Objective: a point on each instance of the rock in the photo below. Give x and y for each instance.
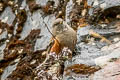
(109, 72)
(113, 54)
(7, 16)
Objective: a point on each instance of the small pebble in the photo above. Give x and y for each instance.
(116, 39)
(84, 12)
(103, 5)
(20, 51)
(17, 60)
(93, 44)
(9, 35)
(95, 3)
(78, 1)
(0, 30)
(7, 40)
(11, 3)
(117, 44)
(1, 6)
(33, 62)
(13, 51)
(4, 20)
(118, 16)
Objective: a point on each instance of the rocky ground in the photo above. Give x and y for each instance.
(25, 33)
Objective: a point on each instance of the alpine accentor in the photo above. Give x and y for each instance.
(64, 35)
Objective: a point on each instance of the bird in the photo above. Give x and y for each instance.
(63, 36)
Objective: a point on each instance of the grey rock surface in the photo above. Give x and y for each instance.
(86, 53)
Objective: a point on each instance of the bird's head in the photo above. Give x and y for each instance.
(58, 26)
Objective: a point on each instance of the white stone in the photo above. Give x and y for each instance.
(20, 51)
(1, 6)
(84, 11)
(95, 3)
(17, 60)
(33, 62)
(93, 44)
(10, 2)
(103, 25)
(78, 1)
(9, 35)
(116, 39)
(4, 20)
(1, 56)
(13, 51)
(103, 5)
(117, 44)
(0, 30)
(7, 40)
